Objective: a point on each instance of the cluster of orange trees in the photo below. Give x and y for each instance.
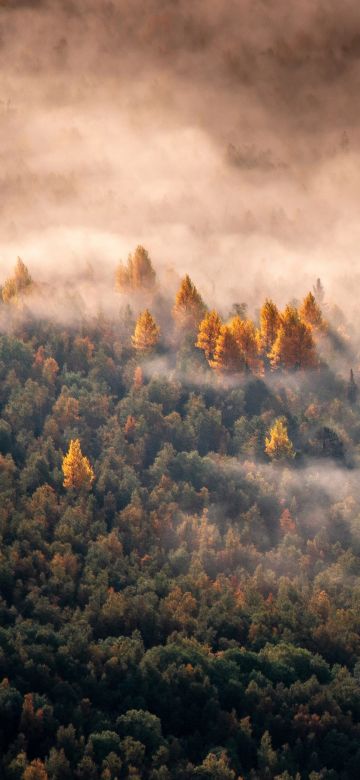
(283, 339)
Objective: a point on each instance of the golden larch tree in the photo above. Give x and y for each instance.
(19, 283)
(311, 313)
(269, 325)
(208, 334)
(146, 333)
(138, 274)
(189, 308)
(246, 337)
(277, 444)
(294, 346)
(77, 471)
(227, 356)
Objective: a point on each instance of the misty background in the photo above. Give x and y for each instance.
(223, 136)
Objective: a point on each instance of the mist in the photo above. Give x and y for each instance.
(223, 138)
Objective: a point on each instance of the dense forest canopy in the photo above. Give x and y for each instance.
(180, 536)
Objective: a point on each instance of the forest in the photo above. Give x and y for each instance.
(180, 535)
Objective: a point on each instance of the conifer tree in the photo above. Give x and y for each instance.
(227, 356)
(278, 445)
(294, 346)
(139, 273)
(189, 308)
(208, 334)
(20, 282)
(310, 312)
(269, 325)
(246, 337)
(76, 468)
(352, 389)
(146, 333)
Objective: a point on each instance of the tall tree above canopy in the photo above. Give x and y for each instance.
(294, 346)
(146, 334)
(138, 274)
(189, 308)
(20, 282)
(269, 325)
(76, 468)
(208, 334)
(311, 313)
(278, 445)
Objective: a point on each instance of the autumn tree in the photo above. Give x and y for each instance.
(278, 445)
(294, 346)
(269, 325)
(246, 337)
(17, 284)
(77, 471)
(189, 307)
(138, 274)
(227, 356)
(208, 334)
(35, 771)
(311, 313)
(146, 333)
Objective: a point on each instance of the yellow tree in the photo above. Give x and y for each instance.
(278, 445)
(269, 325)
(138, 274)
(146, 333)
(77, 471)
(246, 337)
(311, 313)
(208, 334)
(189, 307)
(294, 346)
(35, 771)
(227, 356)
(20, 282)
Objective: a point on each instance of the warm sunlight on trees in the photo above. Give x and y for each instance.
(269, 325)
(278, 445)
(227, 357)
(147, 332)
(209, 331)
(311, 313)
(294, 346)
(246, 337)
(20, 282)
(189, 307)
(77, 471)
(138, 274)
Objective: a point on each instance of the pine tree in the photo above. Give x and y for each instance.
(189, 308)
(246, 337)
(146, 333)
(269, 325)
(208, 334)
(310, 312)
(77, 471)
(139, 273)
(352, 389)
(278, 445)
(294, 346)
(227, 356)
(319, 291)
(17, 284)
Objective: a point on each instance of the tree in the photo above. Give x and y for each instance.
(319, 291)
(35, 771)
(246, 337)
(269, 325)
(352, 389)
(189, 307)
(138, 274)
(20, 282)
(278, 445)
(227, 356)
(77, 471)
(310, 312)
(294, 346)
(146, 333)
(208, 334)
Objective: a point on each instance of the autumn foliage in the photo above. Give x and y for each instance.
(147, 332)
(78, 474)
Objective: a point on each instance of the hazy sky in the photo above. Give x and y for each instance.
(224, 136)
